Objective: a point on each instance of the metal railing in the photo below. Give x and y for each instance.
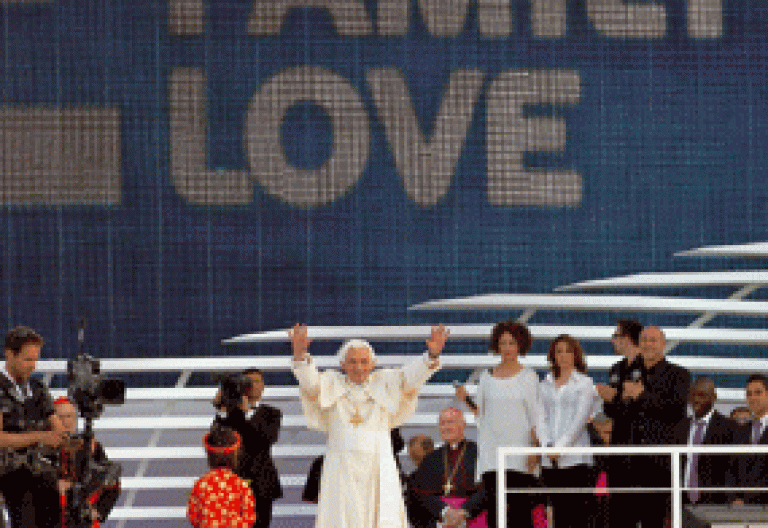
(287, 448)
(674, 451)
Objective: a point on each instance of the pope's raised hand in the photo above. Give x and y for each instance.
(437, 338)
(299, 341)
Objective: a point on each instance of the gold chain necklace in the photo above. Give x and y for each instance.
(448, 486)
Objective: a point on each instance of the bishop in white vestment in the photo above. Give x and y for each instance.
(360, 486)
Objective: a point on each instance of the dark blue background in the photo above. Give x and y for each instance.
(668, 137)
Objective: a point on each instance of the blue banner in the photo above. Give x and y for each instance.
(182, 171)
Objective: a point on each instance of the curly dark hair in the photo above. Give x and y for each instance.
(517, 330)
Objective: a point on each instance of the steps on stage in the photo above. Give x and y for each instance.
(715, 516)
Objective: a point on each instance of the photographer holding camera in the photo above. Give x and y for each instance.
(28, 421)
(240, 408)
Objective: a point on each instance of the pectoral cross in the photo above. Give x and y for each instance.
(356, 419)
(447, 488)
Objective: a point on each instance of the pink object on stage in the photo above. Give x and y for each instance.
(601, 486)
(478, 522)
(539, 516)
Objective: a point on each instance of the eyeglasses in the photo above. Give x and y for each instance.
(617, 335)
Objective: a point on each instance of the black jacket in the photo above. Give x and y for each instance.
(651, 418)
(311, 491)
(753, 469)
(258, 435)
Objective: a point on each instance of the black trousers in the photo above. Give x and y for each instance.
(30, 500)
(649, 508)
(263, 512)
(571, 510)
(519, 505)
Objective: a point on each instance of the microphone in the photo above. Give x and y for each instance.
(81, 332)
(469, 401)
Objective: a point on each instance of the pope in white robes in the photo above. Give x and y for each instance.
(360, 486)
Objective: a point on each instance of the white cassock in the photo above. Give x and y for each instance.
(360, 486)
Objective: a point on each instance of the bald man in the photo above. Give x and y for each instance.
(654, 404)
(657, 401)
(444, 484)
(706, 427)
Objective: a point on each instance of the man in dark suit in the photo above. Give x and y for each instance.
(707, 427)
(258, 425)
(447, 474)
(753, 469)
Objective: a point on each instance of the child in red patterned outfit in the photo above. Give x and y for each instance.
(220, 498)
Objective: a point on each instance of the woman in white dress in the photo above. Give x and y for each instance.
(507, 412)
(568, 397)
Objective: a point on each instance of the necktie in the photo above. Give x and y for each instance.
(693, 467)
(756, 426)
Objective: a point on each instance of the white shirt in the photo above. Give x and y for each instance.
(566, 411)
(763, 421)
(507, 409)
(248, 413)
(254, 407)
(694, 424)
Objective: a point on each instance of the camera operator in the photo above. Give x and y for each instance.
(28, 420)
(101, 502)
(239, 407)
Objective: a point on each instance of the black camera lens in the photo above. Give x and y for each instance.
(112, 391)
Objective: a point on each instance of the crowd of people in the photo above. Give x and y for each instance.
(646, 401)
(359, 482)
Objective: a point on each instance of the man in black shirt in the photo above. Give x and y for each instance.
(258, 425)
(27, 420)
(658, 403)
(626, 343)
